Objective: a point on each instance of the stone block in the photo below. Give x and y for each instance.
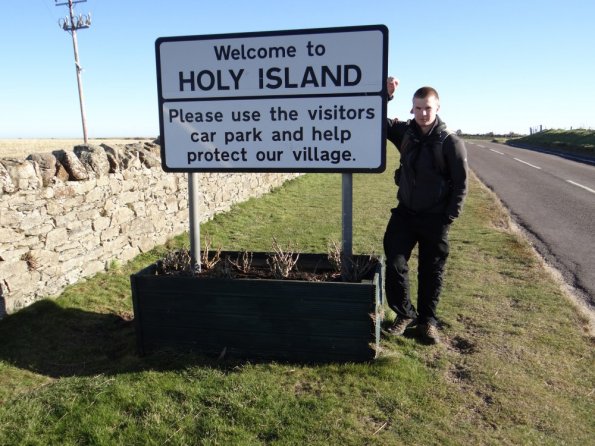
(72, 276)
(74, 261)
(55, 238)
(159, 221)
(138, 226)
(115, 187)
(66, 219)
(97, 194)
(61, 173)
(82, 231)
(65, 249)
(54, 208)
(12, 302)
(25, 281)
(88, 214)
(53, 281)
(10, 217)
(26, 201)
(32, 220)
(64, 190)
(45, 259)
(12, 267)
(115, 246)
(139, 208)
(171, 203)
(146, 243)
(130, 163)
(94, 159)
(93, 268)
(90, 241)
(129, 197)
(150, 160)
(113, 156)
(48, 166)
(109, 206)
(109, 234)
(76, 170)
(103, 182)
(121, 215)
(129, 253)
(128, 184)
(100, 223)
(9, 235)
(93, 254)
(73, 202)
(6, 184)
(84, 187)
(25, 174)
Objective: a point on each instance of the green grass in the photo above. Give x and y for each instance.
(577, 141)
(516, 366)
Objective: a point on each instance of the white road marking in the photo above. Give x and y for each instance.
(499, 153)
(528, 164)
(580, 185)
(479, 145)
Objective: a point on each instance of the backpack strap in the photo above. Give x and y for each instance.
(405, 142)
(403, 149)
(439, 158)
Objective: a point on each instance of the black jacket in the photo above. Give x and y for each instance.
(423, 188)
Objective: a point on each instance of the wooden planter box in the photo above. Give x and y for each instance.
(290, 320)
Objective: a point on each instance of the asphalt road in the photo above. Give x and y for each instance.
(552, 198)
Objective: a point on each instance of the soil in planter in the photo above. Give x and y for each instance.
(235, 265)
(264, 273)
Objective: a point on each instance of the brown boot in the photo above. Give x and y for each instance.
(429, 332)
(399, 326)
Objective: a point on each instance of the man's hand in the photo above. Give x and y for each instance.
(391, 85)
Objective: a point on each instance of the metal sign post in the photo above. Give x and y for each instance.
(347, 223)
(194, 220)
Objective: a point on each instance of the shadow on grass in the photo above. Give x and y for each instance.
(48, 339)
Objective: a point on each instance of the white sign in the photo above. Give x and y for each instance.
(299, 101)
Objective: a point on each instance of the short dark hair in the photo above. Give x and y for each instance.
(424, 92)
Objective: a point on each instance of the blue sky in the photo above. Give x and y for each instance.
(498, 66)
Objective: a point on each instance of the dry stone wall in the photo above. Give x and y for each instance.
(68, 214)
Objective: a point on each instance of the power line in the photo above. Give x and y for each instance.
(71, 24)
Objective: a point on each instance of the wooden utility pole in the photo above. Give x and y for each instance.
(71, 24)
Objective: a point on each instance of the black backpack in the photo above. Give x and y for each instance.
(439, 158)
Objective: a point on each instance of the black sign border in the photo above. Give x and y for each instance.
(383, 93)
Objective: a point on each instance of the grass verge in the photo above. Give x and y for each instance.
(516, 366)
(580, 141)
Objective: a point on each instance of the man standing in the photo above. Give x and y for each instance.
(432, 180)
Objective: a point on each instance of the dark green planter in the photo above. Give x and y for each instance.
(290, 320)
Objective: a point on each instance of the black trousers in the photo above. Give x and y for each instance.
(430, 233)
